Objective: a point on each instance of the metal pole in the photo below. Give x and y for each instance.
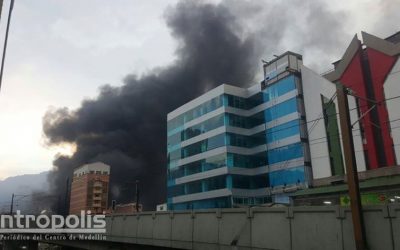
(351, 169)
(5, 41)
(113, 204)
(137, 196)
(66, 198)
(12, 204)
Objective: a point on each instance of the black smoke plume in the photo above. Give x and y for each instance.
(125, 126)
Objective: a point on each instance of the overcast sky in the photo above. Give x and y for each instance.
(61, 52)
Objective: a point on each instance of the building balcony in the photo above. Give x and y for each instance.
(96, 205)
(97, 198)
(97, 191)
(97, 184)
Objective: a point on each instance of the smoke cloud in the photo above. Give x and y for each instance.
(125, 126)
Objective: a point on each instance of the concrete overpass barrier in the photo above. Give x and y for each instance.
(288, 228)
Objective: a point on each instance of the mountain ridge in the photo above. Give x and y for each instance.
(25, 184)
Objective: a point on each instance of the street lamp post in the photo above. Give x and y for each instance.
(12, 204)
(137, 196)
(13, 196)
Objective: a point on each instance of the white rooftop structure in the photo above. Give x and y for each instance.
(94, 168)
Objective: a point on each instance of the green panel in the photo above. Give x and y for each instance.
(332, 135)
(366, 199)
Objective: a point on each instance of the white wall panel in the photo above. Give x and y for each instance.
(358, 142)
(313, 86)
(392, 89)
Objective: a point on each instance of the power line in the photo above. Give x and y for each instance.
(6, 41)
(313, 126)
(321, 116)
(339, 135)
(317, 119)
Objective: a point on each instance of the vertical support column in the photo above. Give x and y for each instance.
(351, 168)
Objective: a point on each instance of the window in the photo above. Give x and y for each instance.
(175, 191)
(244, 103)
(247, 161)
(194, 113)
(245, 141)
(218, 182)
(192, 169)
(245, 122)
(174, 139)
(282, 131)
(193, 187)
(250, 182)
(223, 202)
(209, 163)
(280, 88)
(285, 153)
(287, 176)
(203, 127)
(281, 109)
(203, 146)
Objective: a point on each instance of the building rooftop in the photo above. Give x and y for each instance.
(395, 38)
(243, 91)
(300, 57)
(379, 182)
(92, 167)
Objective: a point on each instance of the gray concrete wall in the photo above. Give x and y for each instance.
(294, 228)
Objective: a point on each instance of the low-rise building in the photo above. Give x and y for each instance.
(89, 188)
(162, 207)
(126, 208)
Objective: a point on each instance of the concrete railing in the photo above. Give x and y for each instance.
(302, 228)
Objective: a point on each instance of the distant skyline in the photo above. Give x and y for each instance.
(61, 52)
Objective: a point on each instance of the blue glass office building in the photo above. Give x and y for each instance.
(234, 146)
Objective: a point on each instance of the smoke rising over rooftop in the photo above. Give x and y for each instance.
(125, 127)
